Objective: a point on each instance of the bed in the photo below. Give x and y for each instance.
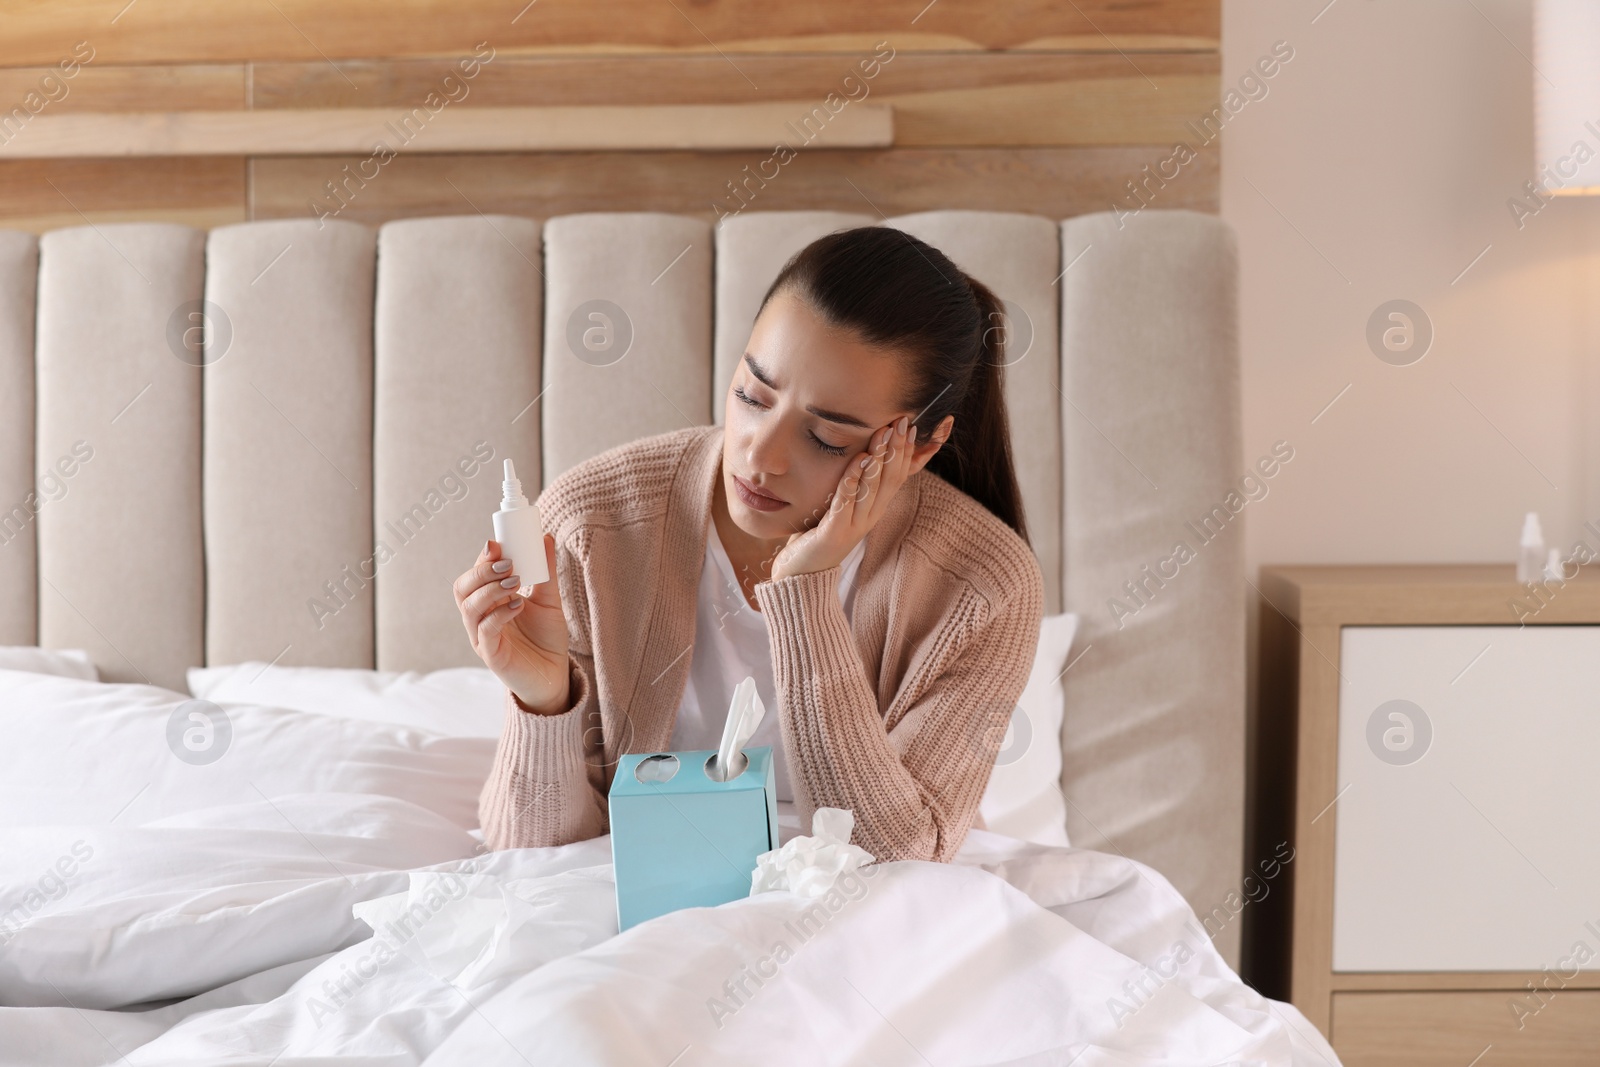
(265, 445)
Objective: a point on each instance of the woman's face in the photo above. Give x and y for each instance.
(804, 402)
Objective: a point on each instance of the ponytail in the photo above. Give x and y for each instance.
(977, 456)
(902, 294)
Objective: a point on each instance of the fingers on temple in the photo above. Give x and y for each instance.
(855, 485)
(846, 492)
(871, 477)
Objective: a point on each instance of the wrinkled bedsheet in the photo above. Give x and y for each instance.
(317, 895)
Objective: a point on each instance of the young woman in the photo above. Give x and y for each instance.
(852, 538)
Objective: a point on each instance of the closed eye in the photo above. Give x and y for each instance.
(746, 398)
(832, 450)
(750, 401)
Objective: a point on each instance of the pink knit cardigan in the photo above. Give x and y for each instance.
(896, 713)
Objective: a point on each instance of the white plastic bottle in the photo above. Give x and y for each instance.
(1530, 552)
(520, 531)
(1554, 568)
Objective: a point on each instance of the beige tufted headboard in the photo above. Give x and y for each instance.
(294, 470)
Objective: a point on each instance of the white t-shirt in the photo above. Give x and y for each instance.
(730, 643)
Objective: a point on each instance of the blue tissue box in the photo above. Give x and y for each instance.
(688, 841)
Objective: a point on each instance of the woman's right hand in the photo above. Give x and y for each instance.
(522, 640)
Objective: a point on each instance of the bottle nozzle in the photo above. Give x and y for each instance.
(511, 495)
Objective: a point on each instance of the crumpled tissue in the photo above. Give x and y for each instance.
(809, 866)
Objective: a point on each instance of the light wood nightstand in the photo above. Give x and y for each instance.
(1428, 741)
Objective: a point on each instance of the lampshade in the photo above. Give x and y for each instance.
(1566, 93)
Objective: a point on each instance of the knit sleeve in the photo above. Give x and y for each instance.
(547, 783)
(914, 789)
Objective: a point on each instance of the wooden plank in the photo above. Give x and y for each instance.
(510, 80)
(169, 31)
(1435, 981)
(1122, 43)
(201, 218)
(1466, 594)
(96, 87)
(1380, 575)
(39, 195)
(1457, 1029)
(1109, 111)
(939, 99)
(1315, 816)
(1054, 182)
(440, 128)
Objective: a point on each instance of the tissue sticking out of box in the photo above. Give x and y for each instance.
(809, 866)
(745, 713)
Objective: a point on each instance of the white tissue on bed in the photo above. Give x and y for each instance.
(809, 866)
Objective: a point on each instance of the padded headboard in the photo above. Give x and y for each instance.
(280, 441)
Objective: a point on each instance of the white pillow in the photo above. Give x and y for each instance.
(1024, 797)
(457, 702)
(82, 752)
(65, 662)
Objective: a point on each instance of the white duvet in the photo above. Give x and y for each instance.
(315, 896)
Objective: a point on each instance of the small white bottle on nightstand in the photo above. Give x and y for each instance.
(1530, 552)
(520, 531)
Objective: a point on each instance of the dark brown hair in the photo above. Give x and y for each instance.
(902, 294)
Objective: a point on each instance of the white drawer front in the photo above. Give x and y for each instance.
(1477, 848)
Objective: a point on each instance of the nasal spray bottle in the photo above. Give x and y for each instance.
(520, 531)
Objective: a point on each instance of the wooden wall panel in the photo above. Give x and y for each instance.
(192, 87)
(40, 195)
(168, 31)
(1029, 105)
(341, 131)
(939, 99)
(1054, 182)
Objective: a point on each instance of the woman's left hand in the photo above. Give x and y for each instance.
(864, 492)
